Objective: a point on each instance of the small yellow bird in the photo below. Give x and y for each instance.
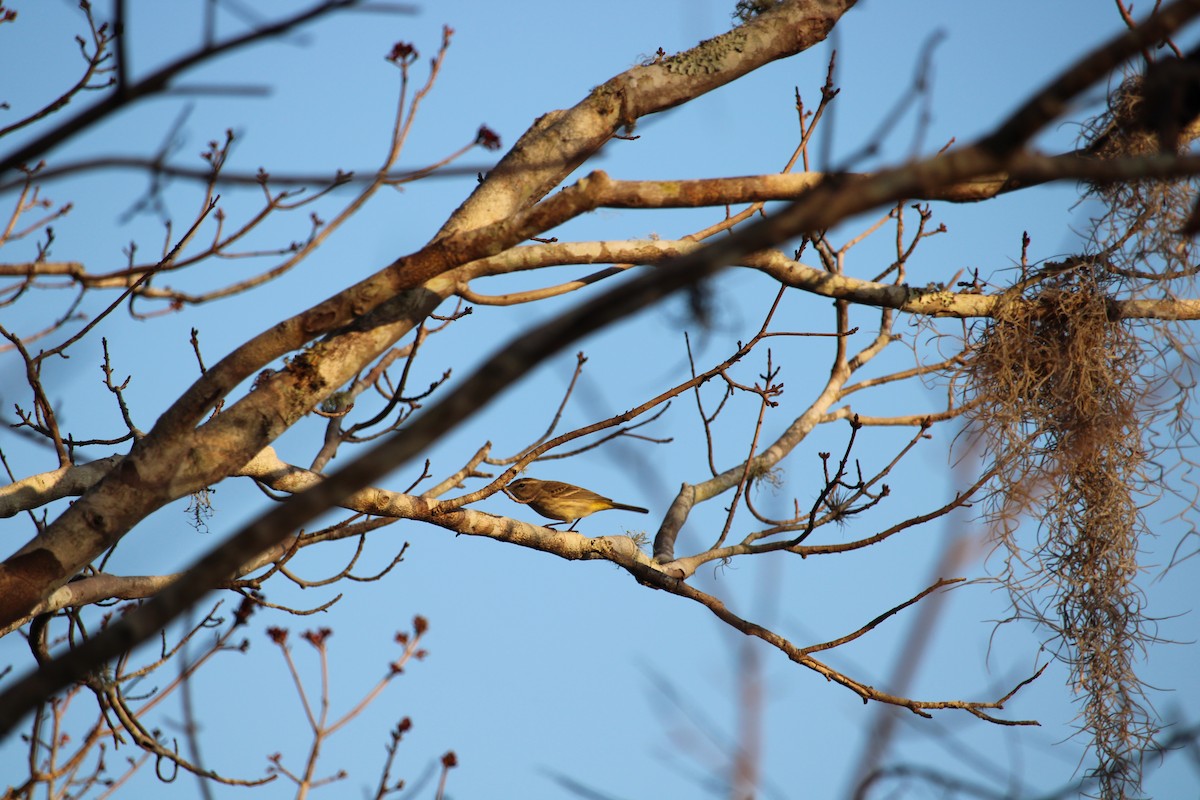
(562, 501)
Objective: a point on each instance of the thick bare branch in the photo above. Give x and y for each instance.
(182, 454)
(560, 141)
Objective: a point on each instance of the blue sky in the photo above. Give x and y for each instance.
(541, 669)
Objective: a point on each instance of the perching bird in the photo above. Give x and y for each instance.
(562, 501)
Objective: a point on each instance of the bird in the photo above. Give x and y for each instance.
(562, 501)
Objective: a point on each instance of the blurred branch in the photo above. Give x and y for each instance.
(833, 200)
